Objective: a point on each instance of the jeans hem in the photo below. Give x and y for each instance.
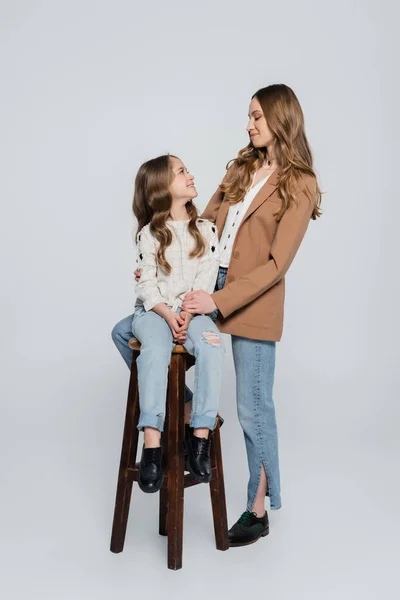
(156, 421)
(198, 422)
(250, 508)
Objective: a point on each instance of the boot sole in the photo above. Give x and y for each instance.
(262, 534)
(153, 490)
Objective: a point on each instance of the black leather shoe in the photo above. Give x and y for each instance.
(248, 529)
(198, 456)
(150, 477)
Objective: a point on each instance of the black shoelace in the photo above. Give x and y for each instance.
(151, 455)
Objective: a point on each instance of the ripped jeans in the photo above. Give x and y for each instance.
(203, 341)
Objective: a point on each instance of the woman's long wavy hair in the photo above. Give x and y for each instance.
(152, 201)
(285, 120)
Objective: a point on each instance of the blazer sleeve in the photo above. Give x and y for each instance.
(288, 237)
(211, 210)
(147, 288)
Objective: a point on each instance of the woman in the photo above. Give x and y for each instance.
(262, 210)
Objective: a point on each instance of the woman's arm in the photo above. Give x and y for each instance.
(288, 237)
(211, 210)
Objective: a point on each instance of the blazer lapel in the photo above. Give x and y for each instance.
(262, 195)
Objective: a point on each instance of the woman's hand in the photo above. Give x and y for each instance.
(199, 302)
(137, 275)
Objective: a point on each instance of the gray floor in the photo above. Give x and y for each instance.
(335, 537)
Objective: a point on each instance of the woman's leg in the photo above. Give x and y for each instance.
(205, 343)
(255, 366)
(121, 334)
(152, 363)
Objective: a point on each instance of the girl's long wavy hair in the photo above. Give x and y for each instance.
(285, 120)
(152, 203)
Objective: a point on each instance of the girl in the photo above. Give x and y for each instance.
(177, 252)
(262, 209)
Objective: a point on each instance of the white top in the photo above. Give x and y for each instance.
(187, 273)
(233, 220)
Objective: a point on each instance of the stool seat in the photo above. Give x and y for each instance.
(134, 344)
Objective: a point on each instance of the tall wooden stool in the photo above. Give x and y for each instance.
(175, 479)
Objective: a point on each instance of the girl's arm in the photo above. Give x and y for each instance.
(208, 266)
(147, 288)
(288, 237)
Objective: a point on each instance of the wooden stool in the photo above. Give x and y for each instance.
(175, 480)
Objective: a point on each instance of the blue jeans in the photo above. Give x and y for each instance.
(203, 341)
(254, 362)
(121, 334)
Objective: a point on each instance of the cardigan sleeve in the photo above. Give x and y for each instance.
(289, 234)
(147, 288)
(207, 270)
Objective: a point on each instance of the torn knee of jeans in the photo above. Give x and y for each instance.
(211, 338)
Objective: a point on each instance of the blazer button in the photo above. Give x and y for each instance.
(236, 254)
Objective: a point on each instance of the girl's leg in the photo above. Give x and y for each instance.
(255, 366)
(121, 334)
(205, 343)
(152, 363)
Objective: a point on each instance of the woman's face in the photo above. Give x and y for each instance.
(182, 186)
(260, 135)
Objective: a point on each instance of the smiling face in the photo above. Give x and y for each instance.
(259, 132)
(182, 186)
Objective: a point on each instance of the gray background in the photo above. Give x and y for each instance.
(89, 91)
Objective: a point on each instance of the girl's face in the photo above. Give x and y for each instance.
(259, 132)
(182, 186)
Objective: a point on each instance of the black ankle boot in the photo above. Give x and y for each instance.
(198, 456)
(150, 477)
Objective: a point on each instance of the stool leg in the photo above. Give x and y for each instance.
(162, 528)
(217, 492)
(128, 458)
(163, 517)
(175, 433)
(163, 510)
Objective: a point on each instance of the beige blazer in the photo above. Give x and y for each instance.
(252, 302)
